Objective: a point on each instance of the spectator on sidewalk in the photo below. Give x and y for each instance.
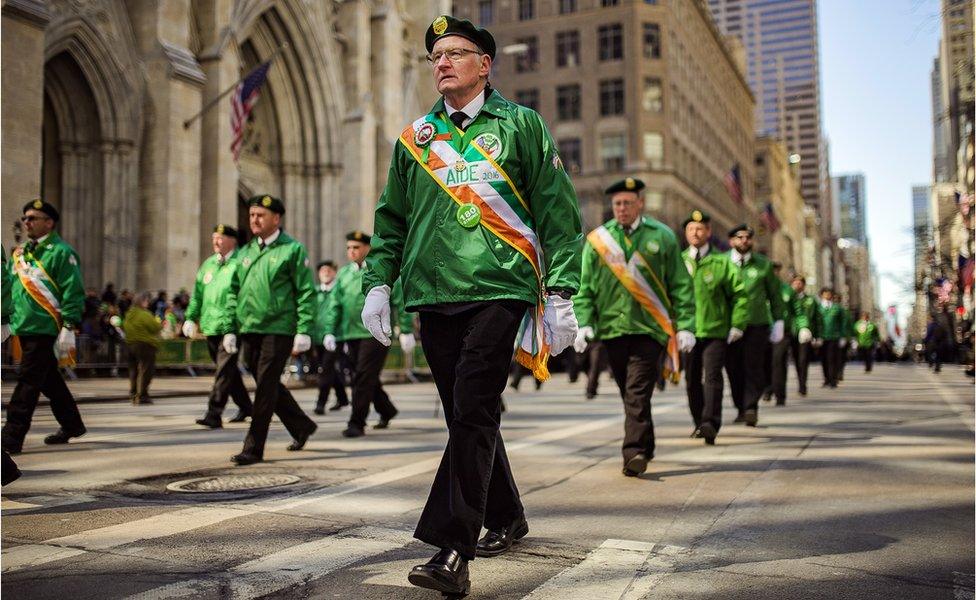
(142, 338)
(108, 294)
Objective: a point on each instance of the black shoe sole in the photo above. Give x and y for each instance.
(428, 580)
(203, 423)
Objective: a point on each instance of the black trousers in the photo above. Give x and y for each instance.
(830, 361)
(746, 366)
(367, 358)
(597, 354)
(330, 377)
(469, 355)
(39, 374)
(705, 399)
(228, 382)
(636, 366)
(265, 356)
(142, 368)
(867, 355)
(801, 360)
(779, 367)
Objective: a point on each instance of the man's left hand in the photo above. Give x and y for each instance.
(66, 340)
(776, 335)
(559, 323)
(303, 343)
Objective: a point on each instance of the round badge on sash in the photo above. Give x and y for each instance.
(424, 134)
(468, 215)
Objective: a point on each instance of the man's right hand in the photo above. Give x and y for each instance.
(329, 342)
(376, 314)
(229, 343)
(189, 329)
(583, 336)
(735, 334)
(804, 336)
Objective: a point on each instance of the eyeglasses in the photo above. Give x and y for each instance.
(454, 55)
(30, 218)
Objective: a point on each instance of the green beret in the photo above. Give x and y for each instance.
(44, 207)
(269, 202)
(446, 25)
(358, 236)
(740, 228)
(697, 216)
(628, 184)
(225, 230)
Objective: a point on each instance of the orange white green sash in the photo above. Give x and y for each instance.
(474, 177)
(651, 295)
(41, 288)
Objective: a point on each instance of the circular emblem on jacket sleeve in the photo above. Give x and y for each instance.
(424, 134)
(208, 277)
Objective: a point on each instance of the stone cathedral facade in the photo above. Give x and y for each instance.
(96, 95)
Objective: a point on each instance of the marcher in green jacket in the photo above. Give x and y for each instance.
(6, 307)
(847, 329)
(866, 339)
(141, 329)
(805, 313)
(780, 351)
(330, 376)
(46, 299)
(720, 297)
(832, 331)
(214, 306)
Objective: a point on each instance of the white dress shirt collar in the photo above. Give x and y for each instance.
(700, 252)
(471, 109)
(271, 238)
(740, 259)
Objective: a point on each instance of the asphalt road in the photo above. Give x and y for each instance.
(862, 492)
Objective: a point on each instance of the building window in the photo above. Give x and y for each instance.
(567, 48)
(529, 59)
(570, 152)
(568, 102)
(567, 6)
(528, 98)
(652, 40)
(526, 10)
(611, 40)
(486, 12)
(653, 2)
(654, 150)
(611, 97)
(613, 151)
(652, 99)
(610, 2)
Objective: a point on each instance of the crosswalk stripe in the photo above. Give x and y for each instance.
(617, 570)
(292, 566)
(180, 521)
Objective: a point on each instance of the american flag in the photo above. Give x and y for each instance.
(242, 101)
(768, 218)
(733, 183)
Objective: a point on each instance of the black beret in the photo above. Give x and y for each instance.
(628, 184)
(358, 236)
(446, 25)
(697, 216)
(269, 202)
(44, 207)
(225, 230)
(735, 230)
(325, 263)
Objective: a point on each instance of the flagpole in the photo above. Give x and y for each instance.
(212, 103)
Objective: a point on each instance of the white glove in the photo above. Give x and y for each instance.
(842, 342)
(776, 335)
(559, 323)
(115, 321)
(583, 335)
(229, 343)
(735, 334)
(4, 332)
(189, 329)
(329, 341)
(66, 341)
(407, 342)
(804, 336)
(686, 341)
(302, 343)
(376, 314)
(854, 346)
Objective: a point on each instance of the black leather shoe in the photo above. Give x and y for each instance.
(240, 417)
(636, 465)
(211, 423)
(751, 418)
(319, 409)
(62, 436)
(446, 572)
(740, 418)
(498, 541)
(245, 458)
(590, 395)
(696, 434)
(11, 446)
(353, 432)
(338, 406)
(384, 422)
(299, 442)
(708, 433)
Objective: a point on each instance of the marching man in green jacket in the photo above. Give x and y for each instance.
(211, 306)
(330, 372)
(832, 338)
(344, 324)
(479, 221)
(47, 297)
(781, 350)
(805, 327)
(866, 338)
(274, 296)
(637, 297)
(746, 364)
(720, 305)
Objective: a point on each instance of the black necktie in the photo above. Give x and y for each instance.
(459, 118)
(261, 245)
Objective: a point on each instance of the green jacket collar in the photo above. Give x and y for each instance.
(495, 105)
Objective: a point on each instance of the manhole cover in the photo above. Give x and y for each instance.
(231, 483)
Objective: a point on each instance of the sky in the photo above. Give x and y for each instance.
(875, 63)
